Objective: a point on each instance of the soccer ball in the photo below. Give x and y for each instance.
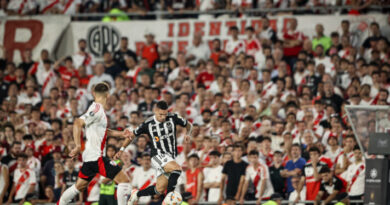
(173, 198)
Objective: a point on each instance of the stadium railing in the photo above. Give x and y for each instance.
(213, 203)
(249, 12)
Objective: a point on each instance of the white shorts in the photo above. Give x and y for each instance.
(159, 162)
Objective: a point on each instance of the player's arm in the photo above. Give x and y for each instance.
(115, 133)
(77, 128)
(130, 136)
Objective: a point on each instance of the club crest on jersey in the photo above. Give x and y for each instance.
(113, 163)
(169, 125)
(91, 113)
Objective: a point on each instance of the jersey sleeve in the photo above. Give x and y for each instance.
(142, 129)
(91, 115)
(226, 167)
(177, 119)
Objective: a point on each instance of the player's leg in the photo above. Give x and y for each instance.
(175, 171)
(73, 191)
(124, 187)
(159, 188)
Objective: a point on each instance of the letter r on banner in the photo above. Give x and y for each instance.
(34, 26)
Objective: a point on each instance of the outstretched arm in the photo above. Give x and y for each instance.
(129, 136)
(77, 127)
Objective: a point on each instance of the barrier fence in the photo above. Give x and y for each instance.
(246, 202)
(249, 12)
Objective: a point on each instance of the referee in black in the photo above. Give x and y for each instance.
(161, 130)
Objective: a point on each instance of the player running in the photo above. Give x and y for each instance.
(161, 129)
(94, 161)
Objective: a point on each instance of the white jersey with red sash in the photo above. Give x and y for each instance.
(21, 6)
(269, 89)
(46, 5)
(86, 60)
(23, 179)
(257, 175)
(3, 152)
(68, 6)
(234, 47)
(252, 46)
(47, 79)
(355, 176)
(143, 179)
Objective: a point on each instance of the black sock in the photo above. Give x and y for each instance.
(172, 181)
(150, 191)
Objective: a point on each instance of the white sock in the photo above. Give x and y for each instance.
(123, 193)
(68, 195)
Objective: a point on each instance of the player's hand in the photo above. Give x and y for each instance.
(126, 133)
(75, 152)
(118, 155)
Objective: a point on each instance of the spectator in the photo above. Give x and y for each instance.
(267, 34)
(146, 107)
(321, 39)
(194, 178)
(258, 174)
(147, 173)
(110, 66)
(311, 176)
(83, 58)
(123, 53)
(293, 195)
(199, 50)
(70, 176)
(4, 180)
(22, 7)
(100, 76)
(234, 45)
(48, 177)
(150, 50)
(355, 176)
(294, 167)
(162, 63)
(10, 160)
(212, 177)
(293, 41)
(252, 44)
(330, 182)
(278, 182)
(24, 182)
(234, 172)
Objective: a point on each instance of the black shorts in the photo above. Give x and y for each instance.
(103, 166)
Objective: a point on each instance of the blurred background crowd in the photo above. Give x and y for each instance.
(142, 7)
(268, 109)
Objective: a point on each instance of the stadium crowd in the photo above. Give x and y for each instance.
(69, 7)
(267, 111)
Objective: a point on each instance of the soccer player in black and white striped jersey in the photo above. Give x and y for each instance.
(161, 130)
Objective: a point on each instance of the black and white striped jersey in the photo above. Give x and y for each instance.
(162, 134)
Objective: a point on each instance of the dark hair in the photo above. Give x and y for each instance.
(101, 88)
(112, 147)
(324, 169)
(22, 155)
(162, 105)
(82, 40)
(135, 113)
(215, 153)
(27, 137)
(193, 156)
(253, 152)
(356, 147)
(15, 143)
(296, 145)
(249, 28)
(315, 149)
(206, 111)
(233, 28)
(278, 153)
(145, 154)
(265, 138)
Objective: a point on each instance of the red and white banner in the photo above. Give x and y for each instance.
(178, 33)
(35, 33)
(60, 36)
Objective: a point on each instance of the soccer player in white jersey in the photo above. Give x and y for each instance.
(94, 160)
